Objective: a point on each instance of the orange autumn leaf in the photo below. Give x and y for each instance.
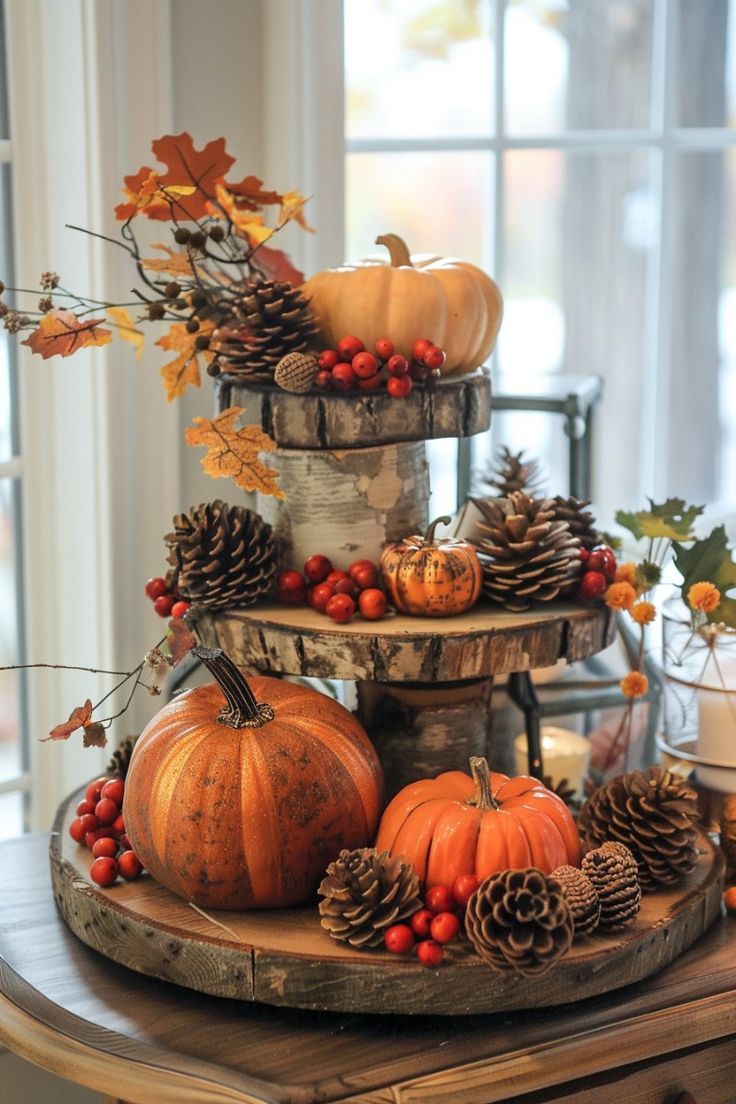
(173, 264)
(248, 223)
(292, 209)
(250, 193)
(62, 333)
(147, 192)
(127, 329)
(78, 718)
(235, 452)
(180, 640)
(183, 371)
(186, 185)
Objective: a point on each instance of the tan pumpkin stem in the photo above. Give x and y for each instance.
(242, 709)
(429, 535)
(482, 798)
(397, 248)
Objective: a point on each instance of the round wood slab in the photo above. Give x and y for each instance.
(486, 641)
(285, 958)
(456, 406)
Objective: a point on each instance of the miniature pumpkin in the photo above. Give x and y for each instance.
(238, 804)
(429, 576)
(454, 304)
(456, 824)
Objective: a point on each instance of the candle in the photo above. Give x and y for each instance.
(565, 754)
(717, 722)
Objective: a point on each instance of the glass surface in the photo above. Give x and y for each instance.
(11, 815)
(418, 68)
(580, 65)
(704, 67)
(437, 202)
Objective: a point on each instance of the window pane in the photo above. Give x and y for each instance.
(577, 66)
(4, 125)
(418, 68)
(11, 815)
(438, 202)
(703, 63)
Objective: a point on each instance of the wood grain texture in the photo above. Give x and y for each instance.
(453, 407)
(83, 1016)
(283, 957)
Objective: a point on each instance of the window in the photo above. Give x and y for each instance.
(582, 151)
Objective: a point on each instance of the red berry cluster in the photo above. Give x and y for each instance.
(337, 593)
(166, 602)
(351, 366)
(434, 925)
(599, 571)
(99, 825)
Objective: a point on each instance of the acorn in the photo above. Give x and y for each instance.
(296, 371)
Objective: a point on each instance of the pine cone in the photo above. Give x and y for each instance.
(527, 555)
(581, 896)
(580, 520)
(224, 556)
(510, 472)
(519, 920)
(612, 869)
(364, 893)
(563, 789)
(654, 814)
(120, 761)
(271, 319)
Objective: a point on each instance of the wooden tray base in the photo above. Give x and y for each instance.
(285, 958)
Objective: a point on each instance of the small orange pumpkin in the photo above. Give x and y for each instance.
(237, 804)
(456, 824)
(431, 577)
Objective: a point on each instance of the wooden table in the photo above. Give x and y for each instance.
(97, 1023)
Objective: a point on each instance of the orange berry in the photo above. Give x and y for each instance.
(729, 899)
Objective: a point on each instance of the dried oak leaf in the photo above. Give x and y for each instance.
(62, 333)
(180, 640)
(234, 452)
(146, 192)
(127, 329)
(250, 193)
(95, 735)
(175, 263)
(187, 168)
(78, 718)
(183, 371)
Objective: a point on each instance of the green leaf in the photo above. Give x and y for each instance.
(710, 561)
(670, 520)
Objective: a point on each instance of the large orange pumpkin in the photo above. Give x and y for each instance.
(236, 804)
(429, 576)
(456, 824)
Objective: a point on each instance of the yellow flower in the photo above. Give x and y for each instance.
(620, 596)
(643, 613)
(634, 684)
(704, 596)
(626, 573)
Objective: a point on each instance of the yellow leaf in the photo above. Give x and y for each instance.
(183, 371)
(292, 208)
(174, 264)
(245, 221)
(235, 452)
(126, 328)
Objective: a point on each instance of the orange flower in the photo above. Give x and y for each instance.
(626, 573)
(704, 596)
(643, 613)
(620, 596)
(634, 684)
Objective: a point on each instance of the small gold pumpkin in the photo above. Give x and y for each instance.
(431, 577)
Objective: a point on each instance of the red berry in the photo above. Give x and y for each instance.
(336, 575)
(346, 586)
(602, 559)
(94, 789)
(350, 346)
(154, 588)
(439, 899)
(364, 572)
(130, 866)
(463, 888)
(180, 608)
(384, 348)
(420, 347)
(420, 921)
(434, 358)
(106, 810)
(343, 376)
(114, 788)
(399, 386)
(340, 608)
(364, 365)
(91, 838)
(105, 846)
(104, 871)
(320, 595)
(323, 378)
(429, 953)
(584, 555)
(372, 383)
(592, 585)
(77, 830)
(328, 359)
(118, 826)
(398, 365)
(372, 604)
(90, 822)
(125, 842)
(85, 807)
(317, 568)
(444, 927)
(164, 605)
(291, 586)
(398, 939)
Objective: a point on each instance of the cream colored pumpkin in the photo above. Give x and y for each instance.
(454, 304)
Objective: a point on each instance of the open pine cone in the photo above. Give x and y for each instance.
(365, 892)
(510, 472)
(581, 896)
(270, 319)
(519, 920)
(612, 869)
(654, 814)
(581, 521)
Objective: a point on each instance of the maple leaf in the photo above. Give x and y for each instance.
(710, 561)
(78, 718)
(183, 371)
(670, 520)
(126, 328)
(235, 452)
(180, 640)
(277, 265)
(174, 264)
(250, 193)
(248, 223)
(147, 192)
(62, 333)
(95, 735)
(292, 210)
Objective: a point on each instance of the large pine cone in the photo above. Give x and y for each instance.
(527, 554)
(519, 920)
(121, 757)
(612, 869)
(224, 557)
(271, 319)
(510, 472)
(581, 521)
(654, 814)
(364, 893)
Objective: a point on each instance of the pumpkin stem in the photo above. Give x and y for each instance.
(482, 798)
(397, 248)
(242, 709)
(429, 535)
